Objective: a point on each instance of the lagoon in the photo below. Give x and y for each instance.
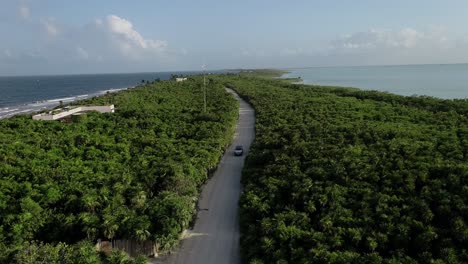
(448, 81)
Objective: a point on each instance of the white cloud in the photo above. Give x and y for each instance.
(50, 27)
(403, 46)
(7, 53)
(253, 53)
(373, 39)
(408, 38)
(20, 57)
(98, 21)
(131, 43)
(105, 44)
(24, 10)
(82, 54)
(293, 52)
(377, 47)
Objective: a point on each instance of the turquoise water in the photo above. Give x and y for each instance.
(447, 81)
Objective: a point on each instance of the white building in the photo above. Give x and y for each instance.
(61, 113)
(180, 79)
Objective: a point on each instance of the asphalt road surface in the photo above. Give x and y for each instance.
(215, 236)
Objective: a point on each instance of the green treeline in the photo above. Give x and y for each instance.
(133, 174)
(340, 175)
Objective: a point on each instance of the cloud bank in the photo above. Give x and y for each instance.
(112, 43)
(372, 47)
(404, 46)
(404, 38)
(107, 44)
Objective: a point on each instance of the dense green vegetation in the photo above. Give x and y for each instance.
(340, 175)
(261, 73)
(133, 174)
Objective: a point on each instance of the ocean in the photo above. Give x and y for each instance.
(27, 94)
(447, 81)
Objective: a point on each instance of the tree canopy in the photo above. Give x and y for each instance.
(339, 175)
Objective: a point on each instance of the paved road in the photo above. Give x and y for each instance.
(215, 236)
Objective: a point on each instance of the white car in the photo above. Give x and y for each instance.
(239, 150)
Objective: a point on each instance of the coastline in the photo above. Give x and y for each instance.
(40, 106)
(29, 94)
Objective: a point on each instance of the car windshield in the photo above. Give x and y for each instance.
(238, 147)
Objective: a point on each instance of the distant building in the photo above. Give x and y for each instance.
(180, 79)
(66, 112)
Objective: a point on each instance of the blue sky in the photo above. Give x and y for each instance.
(66, 37)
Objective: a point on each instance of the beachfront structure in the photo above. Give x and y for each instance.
(180, 79)
(62, 113)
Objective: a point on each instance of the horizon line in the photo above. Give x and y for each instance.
(234, 69)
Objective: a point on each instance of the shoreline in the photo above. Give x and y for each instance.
(30, 94)
(7, 112)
